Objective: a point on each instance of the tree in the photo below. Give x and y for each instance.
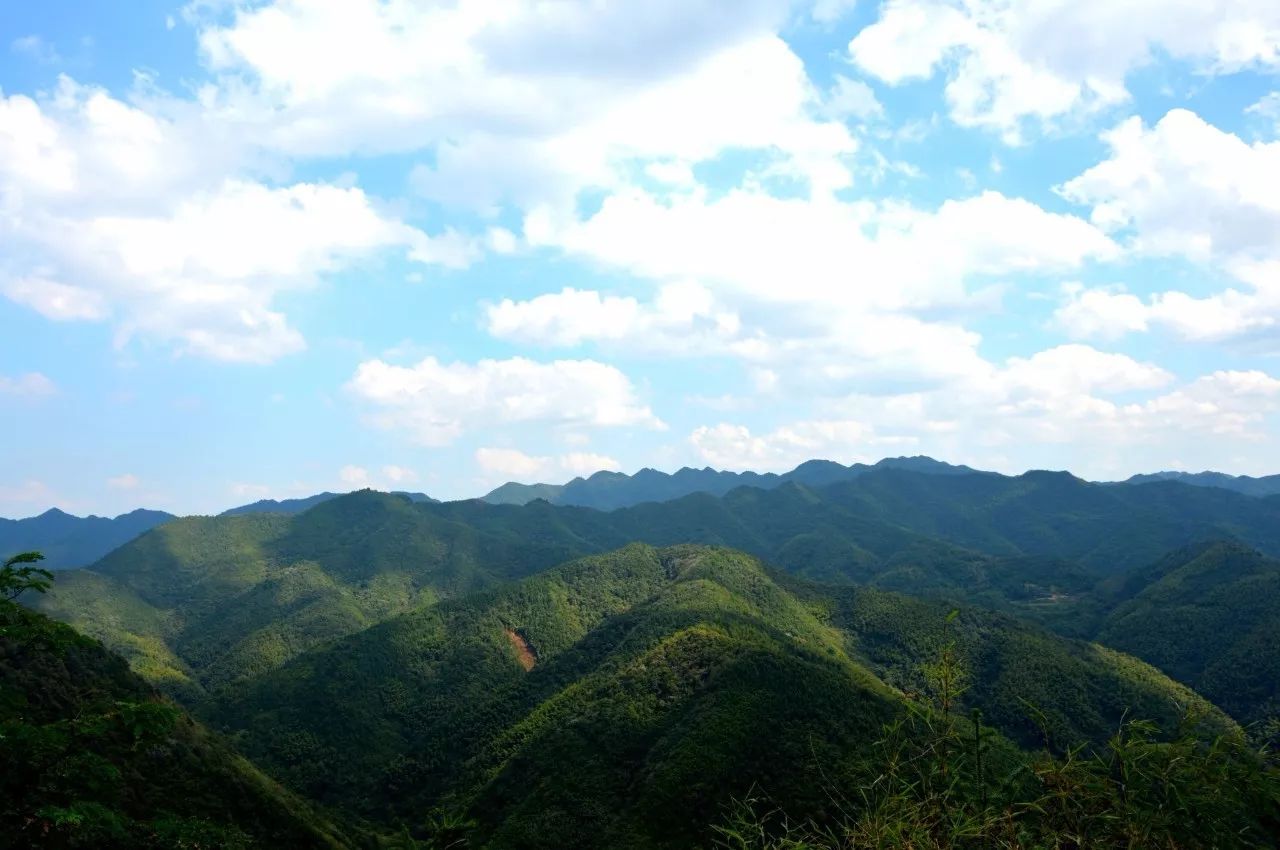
(18, 576)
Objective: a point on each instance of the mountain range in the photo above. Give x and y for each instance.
(673, 673)
(70, 541)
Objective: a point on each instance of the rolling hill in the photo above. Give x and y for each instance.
(624, 699)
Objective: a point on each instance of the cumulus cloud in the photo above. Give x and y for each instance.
(435, 403)
(1187, 189)
(127, 481)
(682, 317)
(526, 100)
(116, 211)
(1010, 62)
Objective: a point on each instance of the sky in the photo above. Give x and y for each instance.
(263, 249)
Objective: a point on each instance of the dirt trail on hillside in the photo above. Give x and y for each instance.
(523, 650)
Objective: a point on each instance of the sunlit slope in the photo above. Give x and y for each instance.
(93, 757)
(665, 681)
(203, 601)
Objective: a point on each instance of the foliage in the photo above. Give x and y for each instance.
(938, 788)
(94, 758)
(17, 575)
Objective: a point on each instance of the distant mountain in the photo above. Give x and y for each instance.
(280, 506)
(1267, 485)
(608, 491)
(306, 503)
(70, 541)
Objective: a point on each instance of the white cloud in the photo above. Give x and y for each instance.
(436, 402)
(399, 474)
(1268, 106)
(1100, 312)
(585, 463)
(521, 101)
(830, 11)
(354, 476)
(814, 294)
(850, 98)
(825, 253)
(511, 462)
(133, 204)
(1184, 188)
(1007, 62)
(31, 384)
(1100, 414)
(127, 481)
(682, 317)
(515, 464)
(729, 446)
(57, 301)
(31, 495)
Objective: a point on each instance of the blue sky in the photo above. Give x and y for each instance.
(257, 249)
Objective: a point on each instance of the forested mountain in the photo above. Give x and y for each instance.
(91, 756)
(624, 699)
(428, 667)
(203, 601)
(1267, 485)
(70, 541)
(610, 490)
(1209, 616)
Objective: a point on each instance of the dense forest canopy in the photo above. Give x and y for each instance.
(474, 674)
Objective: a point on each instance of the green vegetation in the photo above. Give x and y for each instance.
(1208, 616)
(92, 757)
(203, 601)
(942, 786)
(666, 680)
(428, 671)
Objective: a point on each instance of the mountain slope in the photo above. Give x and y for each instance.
(662, 682)
(70, 541)
(94, 758)
(203, 601)
(1209, 616)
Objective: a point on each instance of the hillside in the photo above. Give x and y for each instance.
(93, 757)
(202, 601)
(70, 541)
(661, 680)
(1209, 616)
